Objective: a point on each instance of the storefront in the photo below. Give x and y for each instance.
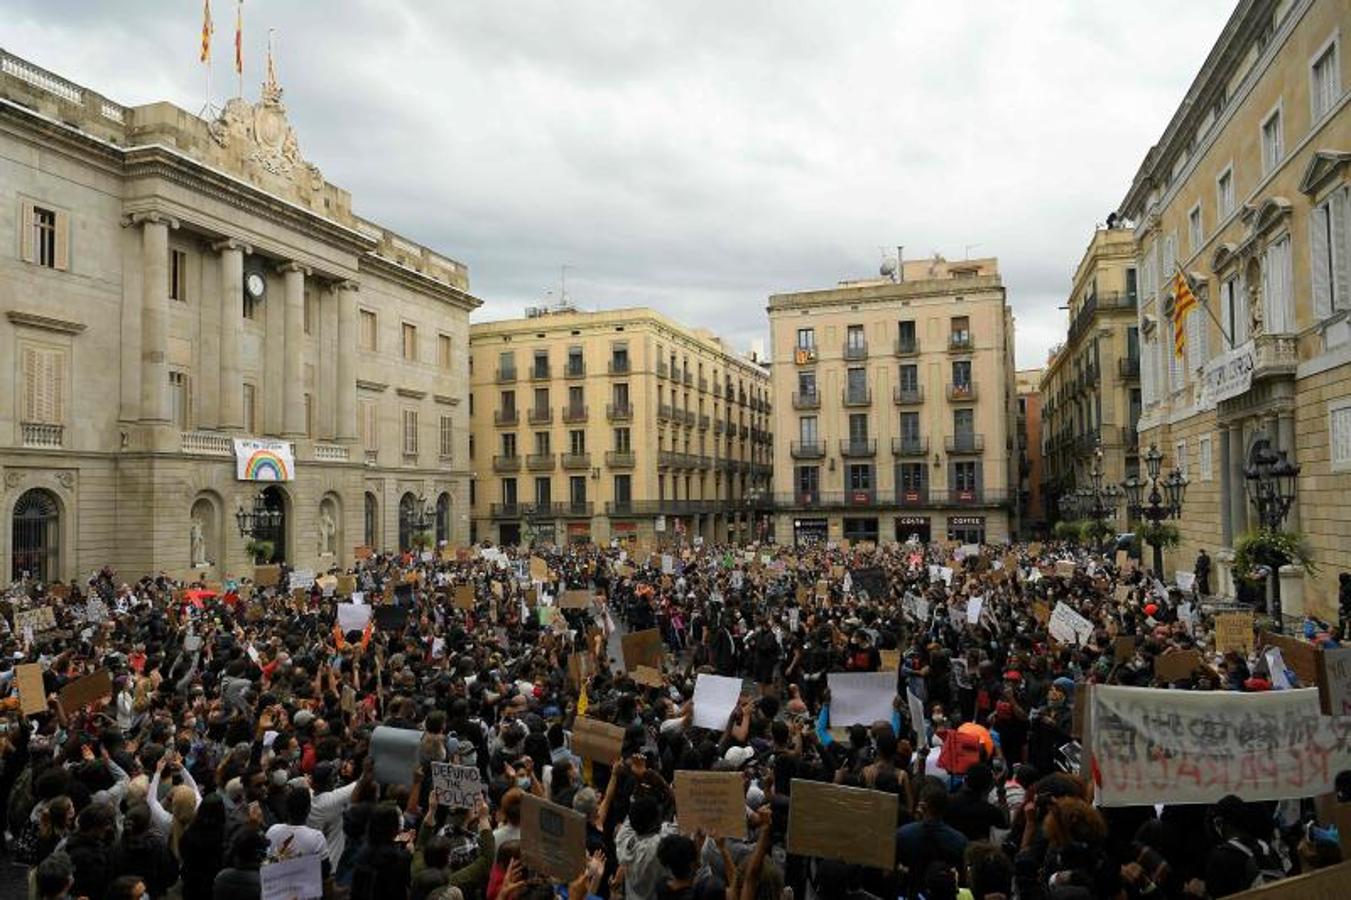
(966, 529)
(579, 532)
(860, 530)
(509, 534)
(810, 531)
(918, 526)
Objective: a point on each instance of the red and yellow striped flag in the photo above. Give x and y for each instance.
(239, 38)
(1183, 302)
(207, 30)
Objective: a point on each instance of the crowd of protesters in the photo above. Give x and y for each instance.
(237, 731)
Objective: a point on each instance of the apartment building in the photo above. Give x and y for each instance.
(1090, 385)
(894, 402)
(1248, 190)
(620, 424)
(199, 325)
(1031, 509)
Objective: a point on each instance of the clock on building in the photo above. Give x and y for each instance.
(255, 285)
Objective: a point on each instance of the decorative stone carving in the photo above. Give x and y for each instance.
(263, 136)
(13, 479)
(197, 537)
(66, 479)
(328, 530)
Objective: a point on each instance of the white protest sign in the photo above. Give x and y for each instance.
(1068, 627)
(1334, 681)
(1276, 666)
(916, 606)
(456, 786)
(973, 608)
(667, 564)
(860, 698)
(1185, 580)
(297, 878)
(302, 578)
(353, 616)
(714, 699)
(1160, 746)
(916, 715)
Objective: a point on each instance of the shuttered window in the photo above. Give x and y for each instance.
(1339, 435)
(369, 425)
(1277, 295)
(367, 330)
(447, 437)
(410, 432)
(180, 398)
(44, 236)
(1330, 252)
(44, 385)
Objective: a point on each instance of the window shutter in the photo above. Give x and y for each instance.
(187, 402)
(26, 232)
(30, 384)
(62, 257)
(1339, 215)
(1242, 315)
(1320, 261)
(980, 477)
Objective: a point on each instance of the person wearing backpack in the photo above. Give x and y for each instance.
(1243, 855)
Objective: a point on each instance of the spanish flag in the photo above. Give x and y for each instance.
(207, 29)
(239, 38)
(1183, 302)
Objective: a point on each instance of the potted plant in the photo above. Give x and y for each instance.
(260, 551)
(1159, 534)
(1271, 550)
(1093, 532)
(1067, 531)
(422, 541)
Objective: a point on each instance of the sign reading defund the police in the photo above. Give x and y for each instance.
(1157, 746)
(456, 786)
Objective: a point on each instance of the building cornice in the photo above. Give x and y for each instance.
(44, 323)
(376, 386)
(416, 281)
(975, 289)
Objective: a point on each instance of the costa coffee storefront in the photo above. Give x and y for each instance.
(967, 529)
(913, 525)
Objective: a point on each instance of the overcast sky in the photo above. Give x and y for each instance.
(694, 156)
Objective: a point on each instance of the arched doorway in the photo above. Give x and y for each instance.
(274, 498)
(442, 519)
(371, 521)
(407, 517)
(36, 530)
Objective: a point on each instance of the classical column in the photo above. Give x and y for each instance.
(154, 315)
(231, 393)
(347, 366)
(293, 388)
(1238, 490)
(1285, 428)
(326, 391)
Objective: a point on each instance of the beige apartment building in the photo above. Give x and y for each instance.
(1249, 191)
(1031, 507)
(619, 424)
(196, 322)
(1090, 385)
(894, 402)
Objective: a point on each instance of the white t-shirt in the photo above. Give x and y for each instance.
(290, 841)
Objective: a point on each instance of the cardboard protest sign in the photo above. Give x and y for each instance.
(347, 584)
(1160, 746)
(86, 690)
(860, 698)
(1322, 884)
(391, 618)
(1233, 631)
(891, 660)
(363, 552)
(1068, 627)
(1034, 548)
(647, 676)
(715, 696)
(580, 668)
(464, 596)
(1122, 593)
(456, 786)
(395, 751)
(1176, 665)
(353, 616)
(822, 588)
(294, 878)
(852, 825)
(642, 648)
(553, 838)
(712, 801)
(1334, 682)
(1123, 648)
(578, 599)
(32, 694)
(1064, 568)
(973, 609)
(539, 569)
(267, 576)
(1299, 655)
(1122, 559)
(39, 619)
(596, 740)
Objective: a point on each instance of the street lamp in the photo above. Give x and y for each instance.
(1271, 481)
(1097, 502)
(1163, 501)
(261, 519)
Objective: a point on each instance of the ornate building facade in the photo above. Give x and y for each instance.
(189, 311)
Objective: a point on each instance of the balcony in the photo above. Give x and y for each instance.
(960, 342)
(906, 346)
(688, 417)
(703, 384)
(506, 417)
(572, 509)
(575, 461)
(541, 462)
(618, 412)
(806, 400)
(857, 396)
(505, 510)
(507, 463)
(718, 426)
(966, 497)
(204, 443)
(858, 448)
(371, 457)
(540, 416)
(574, 369)
(619, 365)
(703, 423)
(912, 496)
(541, 373)
(1128, 367)
(807, 449)
(688, 378)
(703, 462)
(910, 446)
(662, 370)
(965, 443)
(331, 452)
(908, 396)
(854, 350)
(506, 376)
(962, 392)
(664, 412)
(620, 459)
(574, 414)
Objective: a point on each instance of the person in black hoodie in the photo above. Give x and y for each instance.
(143, 853)
(91, 849)
(242, 880)
(383, 868)
(201, 850)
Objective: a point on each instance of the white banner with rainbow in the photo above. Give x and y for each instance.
(263, 460)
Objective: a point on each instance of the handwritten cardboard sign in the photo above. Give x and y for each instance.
(32, 693)
(642, 648)
(539, 569)
(576, 599)
(891, 660)
(596, 740)
(1176, 665)
(464, 596)
(86, 690)
(648, 676)
(1233, 631)
(295, 878)
(1299, 655)
(712, 801)
(1068, 627)
(347, 584)
(1334, 682)
(852, 825)
(456, 786)
(580, 668)
(363, 552)
(1123, 648)
(267, 576)
(38, 619)
(553, 838)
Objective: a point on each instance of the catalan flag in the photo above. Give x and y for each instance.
(1183, 303)
(207, 30)
(239, 38)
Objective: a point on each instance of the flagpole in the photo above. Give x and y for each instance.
(1228, 338)
(239, 46)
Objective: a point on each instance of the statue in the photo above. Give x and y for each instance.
(197, 537)
(328, 533)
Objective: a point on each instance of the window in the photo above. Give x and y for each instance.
(961, 331)
(1195, 233)
(447, 437)
(309, 415)
(508, 404)
(1203, 463)
(1273, 142)
(443, 350)
(541, 401)
(544, 491)
(311, 313)
(250, 409)
(542, 441)
(961, 374)
(410, 342)
(1330, 248)
(910, 427)
(1198, 339)
(623, 489)
(621, 396)
(508, 491)
(860, 477)
(905, 336)
(858, 428)
(541, 364)
(1325, 82)
(623, 441)
(806, 338)
(963, 421)
(1277, 289)
(369, 428)
(44, 386)
(508, 445)
(911, 477)
(577, 489)
(619, 358)
(575, 399)
(1180, 458)
(506, 364)
(909, 378)
(367, 330)
(1234, 309)
(806, 383)
(856, 384)
(178, 276)
(1224, 194)
(806, 430)
(576, 441)
(808, 480)
(410, 432)
(1132, 289)
(1339, 435)
(45, 237)
(853, 339)
(964, 475)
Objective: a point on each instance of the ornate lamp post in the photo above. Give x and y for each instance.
(1097, 502)
(259, 520)
(1156, 499)
(1271, 481)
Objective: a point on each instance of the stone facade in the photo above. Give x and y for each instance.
(136, 357)
(1031, 502)
(894, 407)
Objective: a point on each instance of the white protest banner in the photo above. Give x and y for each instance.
(860, 698)
(1334, 681)
(973, 608)
(714, 699)
(667, 564)
(297, 878)
(1160, 746)
(456, 786)
(258, 459)
(353, 616)
(1185, 580)
(1068, 627)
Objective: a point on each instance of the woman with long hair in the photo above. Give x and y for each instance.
(201, 848)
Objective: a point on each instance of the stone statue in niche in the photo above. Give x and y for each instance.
(197, 540)
(328, 533)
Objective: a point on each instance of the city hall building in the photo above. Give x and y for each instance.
(193, 322)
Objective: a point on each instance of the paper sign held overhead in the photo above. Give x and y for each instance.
(456, 786)
(712, 801)
(715, 696)
(553, 838)
(643, 648)
(596, 740)
(849, 824)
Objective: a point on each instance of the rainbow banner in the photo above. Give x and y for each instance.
(261, 460)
